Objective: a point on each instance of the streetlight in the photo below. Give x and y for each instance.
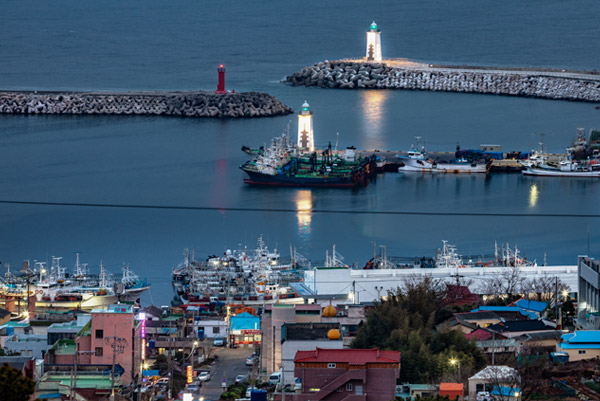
(456, 362)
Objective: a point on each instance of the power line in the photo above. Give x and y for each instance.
(291, 210)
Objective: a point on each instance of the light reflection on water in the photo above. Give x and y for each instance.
(373, 103)
(304, 206)
(533, 195)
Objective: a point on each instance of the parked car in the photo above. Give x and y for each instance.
(484, 396)
(275, 378)
(204, 376)
(241, 378)
(193, 388)
(219, 341)
(250, 360)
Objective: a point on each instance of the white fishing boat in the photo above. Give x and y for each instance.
(581, 161)
(416, 160)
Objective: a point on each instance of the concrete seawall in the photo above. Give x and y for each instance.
(183, 104)
(546, 84)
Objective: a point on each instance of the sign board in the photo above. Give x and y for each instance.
(250, 331)
(190, 374)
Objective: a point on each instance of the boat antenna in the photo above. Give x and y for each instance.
(337, 142)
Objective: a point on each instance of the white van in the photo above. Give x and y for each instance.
(275, 377)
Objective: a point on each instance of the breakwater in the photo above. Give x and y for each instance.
(183, 104)
(547, 84)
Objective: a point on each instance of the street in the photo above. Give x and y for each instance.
(230, 363)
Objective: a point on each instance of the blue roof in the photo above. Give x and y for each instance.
(531, 305)
(582, 337)
(244, 321)
(50, 396)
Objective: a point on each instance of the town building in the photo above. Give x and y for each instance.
(31, 345)
(582, 344)
(588, 305)
(366, 285)
(498, 380)
(67, 330)
(351, 374)
(4, 316)
(454, 391)
(114, 329)
(244, 330)
(305, 337)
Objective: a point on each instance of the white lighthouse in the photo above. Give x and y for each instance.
(306, 139)
(374, 43)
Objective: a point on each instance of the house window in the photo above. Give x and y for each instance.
(216, 330)
(331, 365)
(340, 389)
(99, 351)
(349, 387)
(358, 390)
(100, 333)
(581, 351)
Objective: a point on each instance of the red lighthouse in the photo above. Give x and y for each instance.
(221, 85)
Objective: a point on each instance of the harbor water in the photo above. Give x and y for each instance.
(154, 45)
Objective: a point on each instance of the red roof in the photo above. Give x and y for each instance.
(481, 334)
(351, 356)
(451, 387)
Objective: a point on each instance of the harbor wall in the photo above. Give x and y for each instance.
(182, 104)
(523, 82)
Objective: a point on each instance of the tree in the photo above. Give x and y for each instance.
(405, 321)
(13, 385)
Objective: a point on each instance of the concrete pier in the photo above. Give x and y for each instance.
(182, 104)
(401, 74)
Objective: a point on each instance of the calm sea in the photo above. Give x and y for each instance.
(115, 45)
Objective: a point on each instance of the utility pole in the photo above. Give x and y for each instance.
(118, 345)
(556, 298)
(171, 359)
(74, 371)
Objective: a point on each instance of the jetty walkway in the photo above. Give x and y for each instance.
(183, 104)
(546, 83)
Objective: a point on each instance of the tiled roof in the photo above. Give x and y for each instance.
(521, 325)
(478, 315)
(351, 356)
(481, 334)
(530, 314)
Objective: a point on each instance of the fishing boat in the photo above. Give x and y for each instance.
(288, 164)
(417, 160)
(251, 276)
(54, 288)
(581, 161)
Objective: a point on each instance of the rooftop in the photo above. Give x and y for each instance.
(521, 325)
(536, 306)
(306, 331)
(497, 372)
(582, 337)
(351, 356)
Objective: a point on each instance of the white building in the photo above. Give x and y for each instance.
(374, 44)
(588, 306)
(345, 285)
(306, 136)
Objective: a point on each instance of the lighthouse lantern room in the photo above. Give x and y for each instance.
(374, 43)
(306, 140)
